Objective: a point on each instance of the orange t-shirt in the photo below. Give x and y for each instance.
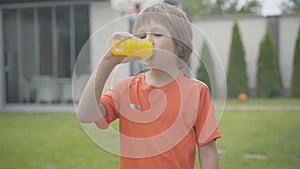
(160, 126)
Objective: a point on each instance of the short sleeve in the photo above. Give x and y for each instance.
(109, 101)
(206, 125)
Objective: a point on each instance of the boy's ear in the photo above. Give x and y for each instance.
(178, 52)
(177, 48)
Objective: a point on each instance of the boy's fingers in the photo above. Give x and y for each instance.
(121, 36)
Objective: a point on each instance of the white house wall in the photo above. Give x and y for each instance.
(288, 27)
(252, 32)
(105, 21)
(219, 31)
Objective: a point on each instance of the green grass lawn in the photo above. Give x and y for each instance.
(273, 134)
(57, 141)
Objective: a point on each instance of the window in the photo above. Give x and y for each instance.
(42, 42)
(63, 42)
(11, 54)
(45, 41)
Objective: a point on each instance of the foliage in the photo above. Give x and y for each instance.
(193, 7)
(253, 6)
(206, 72)
(220, 7)
(237, 79)
(295, 86)
(290, 6)
(232, 7)
(268, 83)
(215, 8)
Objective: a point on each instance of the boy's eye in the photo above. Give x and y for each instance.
(141, 36)
(144, 35)
(157, 34)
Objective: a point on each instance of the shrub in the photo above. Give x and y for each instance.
(295, 85)
(268, 83)
(206, 72)
(237, 79)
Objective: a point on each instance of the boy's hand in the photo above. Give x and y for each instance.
(115, 60)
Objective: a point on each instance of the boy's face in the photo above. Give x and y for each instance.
(163, 44)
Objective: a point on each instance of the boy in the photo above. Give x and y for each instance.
(163, 115)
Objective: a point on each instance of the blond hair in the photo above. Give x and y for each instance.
(173, 19)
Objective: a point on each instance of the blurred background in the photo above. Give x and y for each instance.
(248, 54)
(41, 41)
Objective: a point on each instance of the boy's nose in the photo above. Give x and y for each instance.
(149, 37)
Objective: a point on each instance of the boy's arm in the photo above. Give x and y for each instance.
(208, 156)
(90, 109)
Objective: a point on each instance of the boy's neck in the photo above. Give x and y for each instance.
(158, 78)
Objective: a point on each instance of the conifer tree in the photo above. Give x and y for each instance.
(268, 83)
(237, 79)
(295, 85)
(206, 72)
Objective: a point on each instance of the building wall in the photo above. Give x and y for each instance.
(104, 22)
(36, 43)
(288, 26)
(214, 32)
(252, 29)
(219, 31)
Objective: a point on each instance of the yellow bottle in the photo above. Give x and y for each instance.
(132, 47)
